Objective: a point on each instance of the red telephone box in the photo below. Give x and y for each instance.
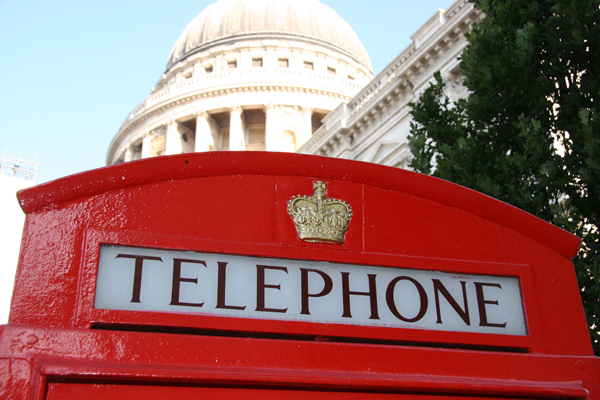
(266, 275)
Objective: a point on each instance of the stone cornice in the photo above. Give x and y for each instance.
(459, 20)
(397, 78)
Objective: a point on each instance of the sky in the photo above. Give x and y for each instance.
(72, 70)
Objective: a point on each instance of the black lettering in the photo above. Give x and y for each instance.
(177, 279)
(137, 275)
(438, 287)
(481, 302)
(328, 285)
(389, 296)
(372, 293)
(261, 286)
(221, 287)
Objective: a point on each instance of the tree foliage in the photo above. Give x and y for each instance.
(529, 131)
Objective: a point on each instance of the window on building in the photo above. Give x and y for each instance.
(208, 69)
(309, 65)
(232, 64)
(283, 63)
(255, 129)
(257, 62)
(330, 70)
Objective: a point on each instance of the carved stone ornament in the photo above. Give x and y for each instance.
(319, 219)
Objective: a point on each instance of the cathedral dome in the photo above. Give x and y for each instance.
(247, 75)
(232, 21)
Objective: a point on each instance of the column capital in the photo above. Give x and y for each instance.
(270, 107)
(148, 134)
(201, 114)
(307, 109)
(235, 108)
(171, 122)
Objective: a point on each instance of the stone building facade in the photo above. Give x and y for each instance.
(374, 125)
(292, 76)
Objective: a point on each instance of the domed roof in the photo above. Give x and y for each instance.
(228, 21)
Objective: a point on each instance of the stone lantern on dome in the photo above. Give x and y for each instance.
(247, 75)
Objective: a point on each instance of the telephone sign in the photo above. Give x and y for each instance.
(140, 279)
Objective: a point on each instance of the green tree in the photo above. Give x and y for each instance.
(529, 131)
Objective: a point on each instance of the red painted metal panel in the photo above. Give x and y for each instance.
(62, 391)
(236, 203)
(179, 360)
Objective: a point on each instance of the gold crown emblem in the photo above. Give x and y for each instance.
(319, 219)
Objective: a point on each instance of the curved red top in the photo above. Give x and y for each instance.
(185, 166)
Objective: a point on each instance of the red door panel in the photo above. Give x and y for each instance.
(76, 391)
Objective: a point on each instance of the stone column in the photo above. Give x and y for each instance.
(220, 64)
(236, 129)
(306, 125)
(147, 144)
(204, 137)
(271, 58)
(198, 70)
(173, 139)
(128, 155)
(271, 127)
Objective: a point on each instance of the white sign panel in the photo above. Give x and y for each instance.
(140, 279)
